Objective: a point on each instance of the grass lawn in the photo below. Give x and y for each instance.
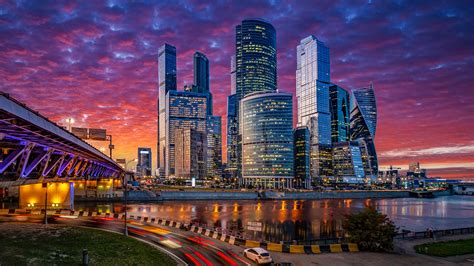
(448, 248)
(36, 244)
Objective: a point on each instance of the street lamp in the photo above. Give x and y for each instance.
(125, 188)
(45, 185)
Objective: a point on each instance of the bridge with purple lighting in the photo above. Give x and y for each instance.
(35, 148)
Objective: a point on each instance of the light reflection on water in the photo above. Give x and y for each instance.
(286, 220)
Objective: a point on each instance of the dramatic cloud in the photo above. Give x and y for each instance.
(96, 61)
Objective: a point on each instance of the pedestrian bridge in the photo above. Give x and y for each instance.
(35, 148)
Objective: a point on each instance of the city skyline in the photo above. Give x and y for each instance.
(102, 56)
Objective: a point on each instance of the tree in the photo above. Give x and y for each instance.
(370, 229)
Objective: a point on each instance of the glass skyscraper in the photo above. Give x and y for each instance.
(183, 110)
(144, 162)
(302, 151)
(363, 124)
(340, 114)
(201, 77)
(255, 63)
(166, 82)
(266, 125)
(312, 96)
(214, 146)
(347, 161)
(232, 135)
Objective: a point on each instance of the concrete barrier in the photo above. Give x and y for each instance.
(296, 248)
(335, 248)
(353, 247)
(252, 244)
(315, 249)
(275, 247)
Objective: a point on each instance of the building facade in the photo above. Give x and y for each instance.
(144, 162)
(190, 154)
(347, 161)
(340, 114)
(214, 147)
(363, 124)
(232, 136)
(183, 110)
(312, 93)
(301, 146)
(266, 125)
(166, 82)
(201, 78)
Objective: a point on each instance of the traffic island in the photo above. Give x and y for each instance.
(36, 244)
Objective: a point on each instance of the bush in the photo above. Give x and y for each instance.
(370, 229)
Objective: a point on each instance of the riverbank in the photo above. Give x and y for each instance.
(37, 244)
(192, 195)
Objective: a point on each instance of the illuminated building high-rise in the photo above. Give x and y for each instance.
(302, 151)
(190, 153)
(232, 136)
(166, 82)
(312, 93)
(347, 162)
(266, 125)
(340, 114)
(144, 162)
(363, 124)
(201, 77)
(214, 146)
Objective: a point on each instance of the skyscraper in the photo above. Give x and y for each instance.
(190, 153)
(183, 110)
(232, 136)
(255, 64)
(266, 125)
(214, 146)
(340, 114)
(301, 146)
(233, 75)
(144, 162)
(201, 77)
(363, 124)
(166, 82)
(312, 93)
(347, 161)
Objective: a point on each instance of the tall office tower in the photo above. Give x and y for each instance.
(233, 75)
(166, 82)
(183, 110)
(266, 125)
(232, 136)
(312, 93)
(363, 124)
(144, 162)
(302, 151)
(201, 77)
(214, 147)
(190, 153)
(340, 114)
(255, 64)
(348, 166)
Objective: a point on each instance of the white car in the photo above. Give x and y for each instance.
(259, 255)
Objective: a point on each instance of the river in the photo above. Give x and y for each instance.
(287, 220)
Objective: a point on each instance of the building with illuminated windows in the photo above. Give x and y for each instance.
(214, 147)
(184, 110)
(190, 154)
(347, 162)
(201, 78)
(363, 124)
(266, 127)
(166, 82)
(255, 63)
(144, 162)
(340, 113)
(301, 147)
(312, 97)
(232, 136)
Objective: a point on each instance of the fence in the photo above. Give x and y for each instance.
(406, 235)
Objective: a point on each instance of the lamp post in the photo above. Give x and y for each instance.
(125, 188)
(45, 185)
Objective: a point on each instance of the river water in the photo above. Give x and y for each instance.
(287, 220)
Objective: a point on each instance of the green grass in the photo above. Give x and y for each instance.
(449, 248)
(35, 244)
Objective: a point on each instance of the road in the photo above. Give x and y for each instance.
(191, 248)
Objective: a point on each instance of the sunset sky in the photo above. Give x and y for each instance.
(97, 62)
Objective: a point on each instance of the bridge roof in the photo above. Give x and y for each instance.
(23, 123)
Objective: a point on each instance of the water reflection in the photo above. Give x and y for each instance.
(287, 220)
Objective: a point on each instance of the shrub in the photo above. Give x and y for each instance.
(370, 229)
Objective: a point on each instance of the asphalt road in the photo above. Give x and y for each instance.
(191, 248)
